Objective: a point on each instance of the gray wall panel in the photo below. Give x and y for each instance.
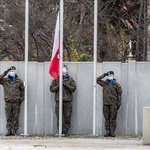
(143, 91)
(99, 104)
(123, 111)
(133, 77)
(49, 105)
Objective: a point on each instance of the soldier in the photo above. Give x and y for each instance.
(69, 86)
(13, 96)
(111, 101)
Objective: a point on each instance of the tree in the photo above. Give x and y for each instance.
(42, 16)
(118, 22)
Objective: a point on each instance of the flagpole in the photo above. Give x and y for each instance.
(26, 63)
(60, 68)
(95, 66)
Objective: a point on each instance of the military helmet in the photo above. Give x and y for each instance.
(12, 68)
(110, 72)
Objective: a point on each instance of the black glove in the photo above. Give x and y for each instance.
(118, 106)
(65, 84)
(21, 100)
(19, 103)
(106, 74)
(5, 72)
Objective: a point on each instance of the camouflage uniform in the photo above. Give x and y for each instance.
(13, 96)
(111, 102)
(69, 86)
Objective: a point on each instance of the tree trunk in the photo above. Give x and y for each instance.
(138, 32)
(145, 32)
(148, 30)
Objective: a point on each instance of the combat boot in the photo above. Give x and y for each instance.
(14, 132)
(107, 133)
(65, 132)
(112, 134)
(9, 133)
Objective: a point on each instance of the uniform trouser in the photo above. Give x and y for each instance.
(67, 110)
(110, 115)
(12, 115)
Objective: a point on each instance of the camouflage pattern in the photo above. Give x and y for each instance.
(12, 116)
(13, 90)
(110, 115)
(69, 86)
(13, 96)
(111, 101)
(67, 110)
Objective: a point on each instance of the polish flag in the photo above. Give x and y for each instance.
(54, 64)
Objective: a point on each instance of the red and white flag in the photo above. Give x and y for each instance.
(54, 64)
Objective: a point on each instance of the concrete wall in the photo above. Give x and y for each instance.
(146, 123)
(133, 77)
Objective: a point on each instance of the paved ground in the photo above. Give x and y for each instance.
(71, 143)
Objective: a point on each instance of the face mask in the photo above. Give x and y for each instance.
(64, 70)
(11, 74)
(110, 78)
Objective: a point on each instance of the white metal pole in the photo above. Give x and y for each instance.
(95, 66)
(26, 63)
(60, 68)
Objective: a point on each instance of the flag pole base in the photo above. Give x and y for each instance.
(91, 135)
(25, 135)
(60, 135)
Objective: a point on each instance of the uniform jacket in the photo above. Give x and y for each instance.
(13, 90)
(69, 86)
(111, 91)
